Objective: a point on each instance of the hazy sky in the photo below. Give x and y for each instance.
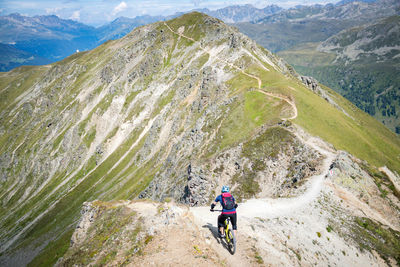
(98, 12)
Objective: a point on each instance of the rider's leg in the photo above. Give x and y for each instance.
(221, 220)
(234, 224)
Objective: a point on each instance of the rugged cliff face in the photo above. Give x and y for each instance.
(172, 110)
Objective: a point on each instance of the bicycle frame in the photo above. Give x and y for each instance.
(229, 236)
(226, 229)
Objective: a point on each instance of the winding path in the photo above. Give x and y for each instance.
(269, 207)
(259, 82)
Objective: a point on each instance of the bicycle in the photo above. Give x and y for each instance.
(229, 236)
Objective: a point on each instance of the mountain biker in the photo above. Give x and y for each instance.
(228, 210)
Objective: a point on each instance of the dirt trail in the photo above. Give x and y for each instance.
(266, 208)
(285, 98)
(269, 208)
(259, 82)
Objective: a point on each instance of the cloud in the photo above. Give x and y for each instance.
(52, 10)
(196, 3)
(76, 15)
(120, 7)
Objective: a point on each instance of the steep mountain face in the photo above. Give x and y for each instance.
(366, 42)
(316, 23)
(351, 47)
(171, 111)
(53, 39)
(362, 64)
(241, 13)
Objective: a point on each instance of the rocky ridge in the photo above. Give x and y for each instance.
(272, 231)
(172, 110)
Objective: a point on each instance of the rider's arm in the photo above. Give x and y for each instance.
(215, 202)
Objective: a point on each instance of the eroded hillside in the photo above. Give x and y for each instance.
(172, 110)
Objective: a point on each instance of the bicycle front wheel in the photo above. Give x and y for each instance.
(231, 242)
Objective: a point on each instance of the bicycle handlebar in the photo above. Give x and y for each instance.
(217, 210)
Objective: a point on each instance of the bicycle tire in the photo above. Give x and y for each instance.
(231, 242)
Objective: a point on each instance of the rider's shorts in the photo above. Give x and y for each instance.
(222, 217)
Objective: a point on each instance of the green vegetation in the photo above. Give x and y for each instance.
(202, 60)
(130, 98)
(194, 25)
(67, 209)
(163, 101)
(268, 144)
(245, 115)
(112, 133)
(296, 253)
(382, 181)
(285, 35)
(248, 185)
(111, 224)
(307, 55)
(249, 117)
(241, 82)
(89, 137)
(54, 250)
(371, 235)
(17, 82)
(359, 134)
(370, 80)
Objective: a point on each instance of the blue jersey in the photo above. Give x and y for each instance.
(225, 211)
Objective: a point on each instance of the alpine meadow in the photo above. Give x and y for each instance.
(112, 157)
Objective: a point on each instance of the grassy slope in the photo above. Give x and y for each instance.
(125, 181)
(66, 211)
(359, 81)
(364, 137)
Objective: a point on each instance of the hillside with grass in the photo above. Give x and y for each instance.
(170, 111)
(361, 64)
(351, 46)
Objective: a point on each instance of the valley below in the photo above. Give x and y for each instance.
(112, 157)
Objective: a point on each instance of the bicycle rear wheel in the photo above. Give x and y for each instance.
(231, 242)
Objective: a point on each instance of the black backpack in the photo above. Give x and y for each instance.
(227, 202)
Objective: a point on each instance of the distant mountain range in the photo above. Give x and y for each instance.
(51, 38)
(352, 47)
(361, 63)
(46, 37)
(167, 113)
(315, 23)
(242, 13)
(318, 40)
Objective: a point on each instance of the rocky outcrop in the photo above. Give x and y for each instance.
(126, 121)
(117, 232)
(89, 213)
(314, 86)
(370, 186)
(198, 187)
